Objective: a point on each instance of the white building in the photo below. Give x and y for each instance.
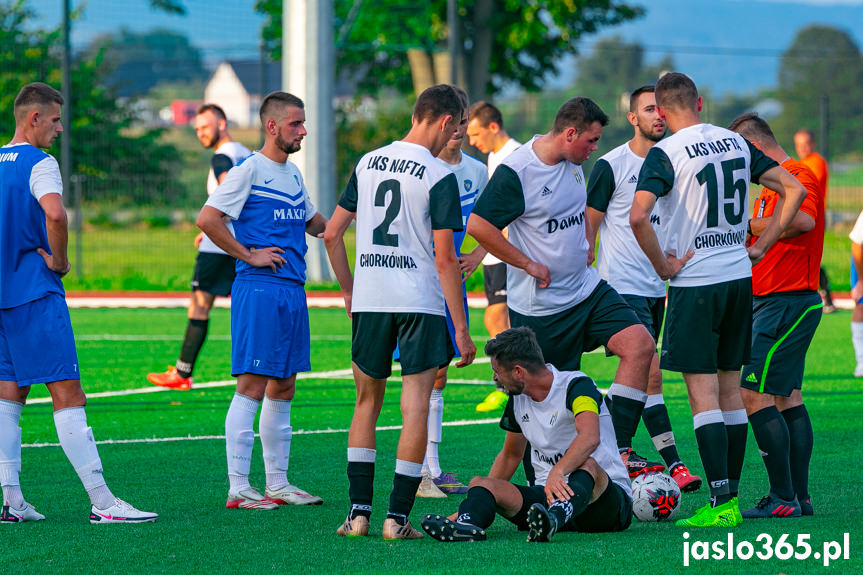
(238, 86)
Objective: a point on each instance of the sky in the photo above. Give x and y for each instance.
(730, 46)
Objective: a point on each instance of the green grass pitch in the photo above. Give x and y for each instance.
(184, 479)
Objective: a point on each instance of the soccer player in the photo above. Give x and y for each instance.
(214, 269)
(786, 311)
(582, 484)
(267, 200)
(403, 199)
(539, 193)
(804, 147)
(36, 334)
(700, 176)
(472, 178)
(856, 237)
(622, 264)
(485, 131)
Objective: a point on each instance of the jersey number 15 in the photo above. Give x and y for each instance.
(734, 192)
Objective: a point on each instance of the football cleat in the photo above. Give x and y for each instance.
(292, 495)
(356, 527)
(392, 531)
(493, 401)
(11, 514)
(428, 488)
(542, 525)
(445, 530)
(170, 379)
(249, 498)
(725, 515)
(121, 512)
(636, 464)
(448, 483)
(806, 506)
(685, 480)
(772, 506)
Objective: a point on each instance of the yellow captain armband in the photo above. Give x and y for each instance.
(584, 403)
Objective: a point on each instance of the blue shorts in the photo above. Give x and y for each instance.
(269, 329)
(450, 328)
(36, 342)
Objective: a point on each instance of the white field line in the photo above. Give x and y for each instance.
(460, 423)
(478, 302)
(179, 337)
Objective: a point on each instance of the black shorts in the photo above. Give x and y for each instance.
(612, 511)
(214, 273)
(650, 311)
(708, 328)
(783, 326)
(423, 340)
(565, 335)
(494, 282)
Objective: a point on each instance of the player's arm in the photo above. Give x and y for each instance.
(315, 227)
(594, 218)
(445, 214)
(57, 229)
(510, 456)
(467, 263)
(857, 258)
(221, 165)
(500, 204)
(334, 239)
(801, 224)
(600, 189)
(791, 194)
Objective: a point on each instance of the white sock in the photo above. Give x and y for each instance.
(239, 440)
(79, 445)
(431, 463)
(275, 429)
(857, 340)
(10, 452)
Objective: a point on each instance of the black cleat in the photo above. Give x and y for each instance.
(542, 525)
(445, 530)
(806, 506)
(772, 506)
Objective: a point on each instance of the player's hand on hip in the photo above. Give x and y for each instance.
(540, 272)
(675, 264)
(49, 261)
(466, 347)
(556, 487)
(198, 239)
(266, 257)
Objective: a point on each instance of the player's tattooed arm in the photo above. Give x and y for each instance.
(334, 240)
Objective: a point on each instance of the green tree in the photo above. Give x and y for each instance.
(505, 42)
(822, 62)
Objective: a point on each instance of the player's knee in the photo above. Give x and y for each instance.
(480, 481)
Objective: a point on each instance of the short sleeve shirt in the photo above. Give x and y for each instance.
(472, 178)
(224, 158)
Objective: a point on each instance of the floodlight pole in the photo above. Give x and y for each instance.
(308, 71)
(66, 139)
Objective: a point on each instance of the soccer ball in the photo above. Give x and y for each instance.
(655, 497)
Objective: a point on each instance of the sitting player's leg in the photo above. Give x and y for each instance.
(609, 508)
(239, 441)
(275, 429)
(15, 508)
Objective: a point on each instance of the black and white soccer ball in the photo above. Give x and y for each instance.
(655, 497)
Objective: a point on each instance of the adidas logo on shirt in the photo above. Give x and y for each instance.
(525, 418)
(632, 180)
(545, 191)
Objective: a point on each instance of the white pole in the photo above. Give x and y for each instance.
(308, 72)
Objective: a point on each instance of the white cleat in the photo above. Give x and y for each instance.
(121, 512)
(249, 499)
(292, 495)
(11, 514)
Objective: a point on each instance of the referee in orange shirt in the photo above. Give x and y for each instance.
(786, 312)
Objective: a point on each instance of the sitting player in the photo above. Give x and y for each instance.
(582, 484)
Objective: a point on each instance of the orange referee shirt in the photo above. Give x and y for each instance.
(818, 165)
(792, 264)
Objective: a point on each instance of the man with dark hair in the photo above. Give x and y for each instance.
(486, 132)
(785, 314)
(622, 264)
(701, 176)
(214, 268)
(582, 484)
(36, 340)
(539, 192)
(268, 202)
(406, 205)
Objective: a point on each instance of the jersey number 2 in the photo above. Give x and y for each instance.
(734, 192)
(381, 235)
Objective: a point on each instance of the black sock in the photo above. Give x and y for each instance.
(659, 427)
(402, 497)
(196, 333)
(581, 482)
(771, 434)
(800, 441)
(712, 442)
(361, 477)
(478, 508)
(736, 434)
(625, 414)
(527, 465)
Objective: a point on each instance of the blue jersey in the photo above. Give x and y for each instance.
(472, 176)
(26, 174)
(270, 207)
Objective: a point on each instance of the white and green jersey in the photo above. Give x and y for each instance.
(494, 160)
(701, 175)
(549, 425)
(224, 158)
(543, 207)
(620, 260)
(400, 193)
